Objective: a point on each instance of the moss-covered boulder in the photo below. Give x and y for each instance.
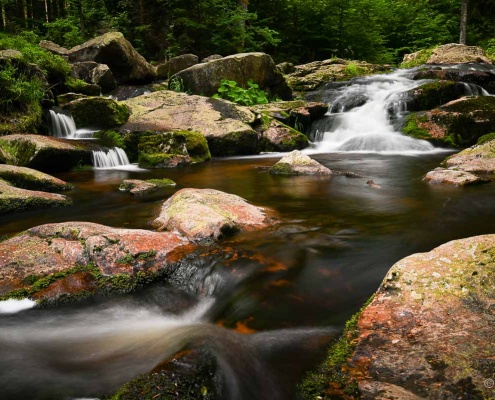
(112, 49)
(97, 112)
(171, 149)
(297, 163)
(205, 78)
(27, 178)
(45, 153)
(428, 330)
(210, 214)
(13, 199)
(433, 94)
(139, 187)
(479, 159)
(225, 125)
(481, 76)
(313, 75)
(115, 260)
(459, 123)
(276, 136)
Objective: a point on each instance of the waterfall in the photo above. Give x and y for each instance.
(62, 125)
(114, 157)
(472, 89)
(372, 106)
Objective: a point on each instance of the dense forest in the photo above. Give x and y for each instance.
(290, 30)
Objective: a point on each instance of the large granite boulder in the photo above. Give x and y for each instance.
(176, 64)
(452, 177)
(27, 178)
(427, 333)
(455, 53)
(297, 163)
(205, 78)
(93, 73)
(201, 214)
(313, 75)
(43, 261)
(45, 153)
(459, 123)
(97, 112)
(226, 126)
(479, 159)
(112, 49)
(13, 199)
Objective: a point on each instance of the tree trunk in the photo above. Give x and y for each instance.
(4, 18)
(25, 12)
(47, 16)
(464, 9)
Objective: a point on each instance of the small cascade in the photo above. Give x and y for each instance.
(62, 125)
(471, 89)
(114, 157)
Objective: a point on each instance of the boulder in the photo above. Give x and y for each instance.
(97, 112)
(171, 149)
(313, 75)
(433, 94)
(452, 177)
(286, 68)
(176, 64)
(112, 49)
(479, 159)
(54, 48)
(211, 58)
(205, 78)
(455, 53)
(297, 163)
(276, 136)
(113, 259)
(139, 187)
(27, 178)
(14, 199)
(94, 73)
(68, 97)
(45, 153)
(210, 214)
(129, 91)
(459, 123)
(226, 126)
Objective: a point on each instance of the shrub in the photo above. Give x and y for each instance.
(229, 90)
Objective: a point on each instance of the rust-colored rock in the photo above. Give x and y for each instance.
(209, 214)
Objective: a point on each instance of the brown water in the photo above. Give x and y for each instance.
(337, 239)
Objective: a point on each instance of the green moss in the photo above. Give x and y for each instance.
(196, 145)
(434, 94)
(420, 59)
(110, 139)
(332, 379)
(281, 169)
(20, 152)
(98, 112)
(411, 128)
(162, 182)
(12, 203)
(486, 138)
(32, 181)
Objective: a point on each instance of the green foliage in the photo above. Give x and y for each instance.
(110, 139)
(229, 90)
(419, 59)
(64, 31)
(486, 138)
(176, 84)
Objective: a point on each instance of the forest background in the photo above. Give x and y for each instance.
(298, 31)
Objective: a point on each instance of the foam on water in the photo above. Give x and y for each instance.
(13, 306)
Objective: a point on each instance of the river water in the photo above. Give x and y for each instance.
(287, 290)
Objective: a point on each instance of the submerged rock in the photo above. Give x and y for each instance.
(45, 153)
(225, 125)
(210, 214)
(112, 49)
(116, 259)
(297, 163)
(428, 330)
(205, 78)
(452, 177)
(459, 123)
(27, 178)
(97, 112)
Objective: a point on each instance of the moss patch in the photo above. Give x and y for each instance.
(434, 94)
(98, 112)
(234, 143)
(162, 182)
(486, 138)
(420, 58)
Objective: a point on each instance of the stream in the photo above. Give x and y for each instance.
(269, 313)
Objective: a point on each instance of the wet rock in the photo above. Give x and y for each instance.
(139, 187)
(171, 149)
(276, 136)
(452, 177)
(459, 123)
(482, 76)
(46, 153)
(97, 112)
(176, 64)
(14, 199)
(433, 94)
(94, 73)
(210, 214)
(297, 163)
(205, 78)
(112, 49)
(454, 53)
(226, 126)
(118, 259)
(313, 75)
(479, 159)
(54, 48)
(27, 178)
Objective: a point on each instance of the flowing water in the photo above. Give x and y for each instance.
(264, 303)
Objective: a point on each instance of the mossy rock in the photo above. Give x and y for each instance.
(433, 94)
(234, 143)
(97, 112)
(169, 149)
(276, 136)
(27, 178)
(486, 138)
(14, 199)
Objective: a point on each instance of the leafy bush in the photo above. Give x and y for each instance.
(229, 90)
(64, 31)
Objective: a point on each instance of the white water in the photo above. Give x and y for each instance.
(114, 157)
(63, 126)
(14, 306)
(368, 127)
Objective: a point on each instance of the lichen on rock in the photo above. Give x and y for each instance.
(297, 163)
